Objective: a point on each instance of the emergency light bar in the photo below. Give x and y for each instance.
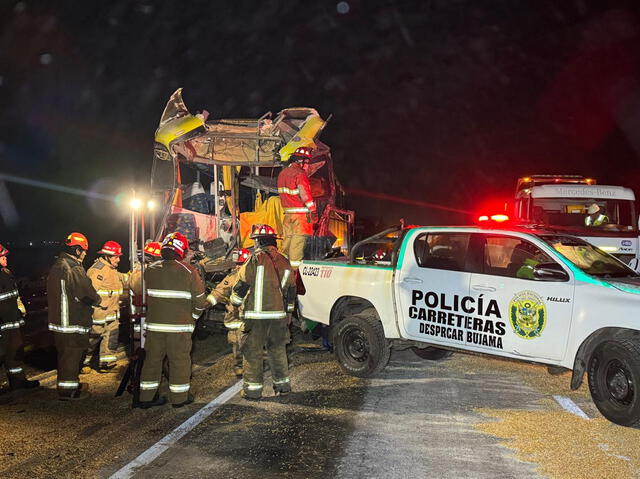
(498, 218)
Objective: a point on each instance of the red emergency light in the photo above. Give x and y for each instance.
(497, 218)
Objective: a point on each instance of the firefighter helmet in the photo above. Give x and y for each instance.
(302, 153)
(153, 249)
(176, 242)
(261, 231)
(3, 251)
(593, 209)
(111, 248)
(77, 239)
(240, 256)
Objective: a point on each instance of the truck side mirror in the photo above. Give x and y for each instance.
(549, 272)
(634, 264)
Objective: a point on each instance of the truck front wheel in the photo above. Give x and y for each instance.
(360, 344)
(614, 381)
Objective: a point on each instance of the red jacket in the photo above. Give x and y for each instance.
(295, 191)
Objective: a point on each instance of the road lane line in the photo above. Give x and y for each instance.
(568, 405)
(174, 436)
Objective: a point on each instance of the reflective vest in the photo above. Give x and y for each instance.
(109, 284)
(295, 191)
(175, 297)
(10, 317)
(70, 296)
(597, 221)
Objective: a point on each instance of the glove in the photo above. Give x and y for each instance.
(211, 299)
(21, 307)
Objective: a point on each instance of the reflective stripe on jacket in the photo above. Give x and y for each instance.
(295, 191)
(109, 284)
(70, 296)
(9, 312)
(175, 296)
(222, 294)
(270, 277)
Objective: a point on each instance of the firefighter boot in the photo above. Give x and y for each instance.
(23, 383)
(157, 401)
(189, 400)
(107, 368)
(74, 394)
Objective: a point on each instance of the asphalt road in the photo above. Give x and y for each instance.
(465, 416)
(411, 421)
(417, 419)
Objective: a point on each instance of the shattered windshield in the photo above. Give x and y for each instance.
(588, 258)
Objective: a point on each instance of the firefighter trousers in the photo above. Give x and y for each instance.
(71, 347)
(258, 334)
(177, 348)
(107, 335)
(296, 229)
(11, 342)
(234, 337)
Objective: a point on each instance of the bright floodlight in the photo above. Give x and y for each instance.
(151, 205)
(135, 203)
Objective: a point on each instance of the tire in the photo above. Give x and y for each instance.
(431, 353)
(614, 381)
(360, 345)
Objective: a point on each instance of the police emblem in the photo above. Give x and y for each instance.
(527, 314)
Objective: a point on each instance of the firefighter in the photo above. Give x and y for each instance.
(71, 298)
(266, 291)
(175, 299)
(109, 284)
(300, 216)
(595, 217)
(232, 321)
(151, 254)
(12, 313)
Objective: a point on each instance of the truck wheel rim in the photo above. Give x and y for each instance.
(356, 345)
(619, 382)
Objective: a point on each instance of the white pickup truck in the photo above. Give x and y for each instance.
(518, 293)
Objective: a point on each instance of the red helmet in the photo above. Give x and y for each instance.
(302, 153)
(153, 249)
(241, 255)
(111, 248)
(176, 242)
(77, 239)
(3, 251)
(260, 230)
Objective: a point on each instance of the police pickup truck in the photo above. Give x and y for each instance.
(518, 293)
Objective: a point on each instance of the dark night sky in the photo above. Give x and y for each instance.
(443, 101)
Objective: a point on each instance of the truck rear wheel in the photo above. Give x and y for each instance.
(360, 345)
(431, 353)
(614, 381)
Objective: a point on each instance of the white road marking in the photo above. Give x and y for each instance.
(605, 448)
(568, 405)
(170, 439)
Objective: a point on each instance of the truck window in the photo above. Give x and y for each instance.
(572, 213)
(446, 251)
(512, 257)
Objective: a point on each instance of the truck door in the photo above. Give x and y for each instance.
(528, 317)
(431, 280)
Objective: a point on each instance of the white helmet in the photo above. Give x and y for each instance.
(594, 208)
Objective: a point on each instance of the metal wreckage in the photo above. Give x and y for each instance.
(215, 178)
